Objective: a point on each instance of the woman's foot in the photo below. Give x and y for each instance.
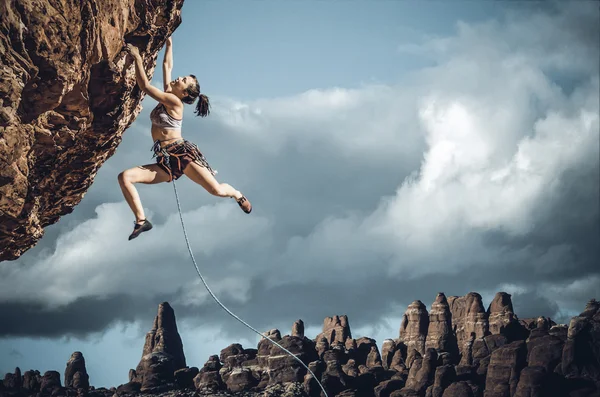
(139, 228)
(244, 204)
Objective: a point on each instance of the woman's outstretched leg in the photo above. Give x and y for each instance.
(148, 174)
(203, 177)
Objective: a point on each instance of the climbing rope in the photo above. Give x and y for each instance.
(225, 308)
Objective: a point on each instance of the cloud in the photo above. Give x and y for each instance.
(474, 178)
(476, 174)
(96, 259)
(361, 123)
(73, 319)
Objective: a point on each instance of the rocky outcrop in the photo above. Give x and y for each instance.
(208, 378)
(413, 330)
(67, 94)
(50, 383)
(504, 370)
(298, 329)
(503, 320)
(469, 322)
(13, 381)
(163, 352)
(552, 359)
(76, 375)
(184, 377)
(388, 350)
(282, 368)
(439, 333)
(459, 389)
(336, 329)
(32, 380)
(422, 372)
(581, 353)
(500, 312)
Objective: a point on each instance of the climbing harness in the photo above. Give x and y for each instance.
(223, 306)
(181, 147)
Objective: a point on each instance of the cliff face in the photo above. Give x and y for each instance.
(67, 94)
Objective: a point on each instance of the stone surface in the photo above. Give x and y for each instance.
(208, 377)
(163, 351)
(440, 335)
(384, 389)
(50, 381)
(184, 377)
(459, 389)
(531, 383)
(388, 349)
(469, 322)
(282, 367)
(75, 374)
(32, 380)
(504, 369)
(67, 94)
(545, 351)
(413, 329)
(13, 381)
(298, 329)
(264, 346)
(503, 320)
(581, 353)
(444, 377)
(422, 372)
(336, 329)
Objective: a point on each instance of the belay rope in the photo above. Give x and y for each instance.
(223, 306)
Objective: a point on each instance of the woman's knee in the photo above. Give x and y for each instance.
(125, 177)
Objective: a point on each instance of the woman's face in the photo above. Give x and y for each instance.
(180, 84)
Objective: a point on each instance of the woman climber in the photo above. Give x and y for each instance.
(175, 156)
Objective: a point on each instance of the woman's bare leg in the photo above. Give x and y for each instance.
(148, 174)
(203, 177)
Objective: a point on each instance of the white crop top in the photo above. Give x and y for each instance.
(161, 118)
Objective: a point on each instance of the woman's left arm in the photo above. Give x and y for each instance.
(168, 64)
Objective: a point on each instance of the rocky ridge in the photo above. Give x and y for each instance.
(456, 349)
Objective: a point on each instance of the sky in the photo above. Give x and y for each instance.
(391, 151)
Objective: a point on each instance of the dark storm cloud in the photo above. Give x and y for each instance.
(78, 319)
(532, 305)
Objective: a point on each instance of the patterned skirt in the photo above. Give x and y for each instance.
(174, 157)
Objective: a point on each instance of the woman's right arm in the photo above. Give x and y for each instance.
(166, 98)
(168, 65)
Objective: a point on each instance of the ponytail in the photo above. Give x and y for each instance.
(193, 92)
(203, 106)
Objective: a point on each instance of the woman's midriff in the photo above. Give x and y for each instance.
(161, 134)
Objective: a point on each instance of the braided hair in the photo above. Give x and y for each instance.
(193, 92)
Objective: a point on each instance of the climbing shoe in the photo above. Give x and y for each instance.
(244, 204)
(138, 229)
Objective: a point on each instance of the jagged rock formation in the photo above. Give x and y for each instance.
(67, 94)
(76, 375)
(335, 329)
(413, 330)
(439, 333)
(163, 352)
(469, 322)
(548, 360)
(502, 319)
